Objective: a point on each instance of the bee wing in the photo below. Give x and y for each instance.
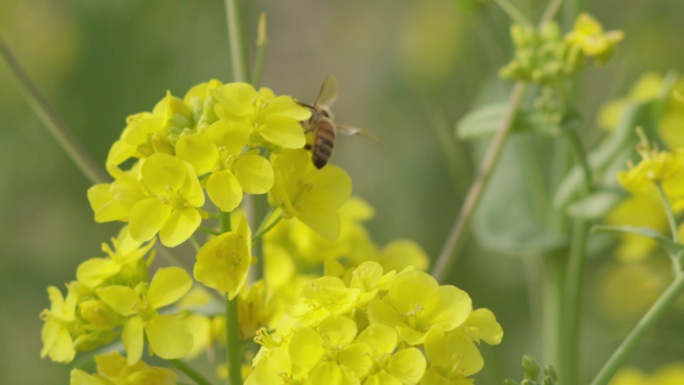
(328, 93)
(350, 130)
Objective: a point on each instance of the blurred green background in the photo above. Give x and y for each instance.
(407, 71)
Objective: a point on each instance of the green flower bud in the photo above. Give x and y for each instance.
(530, 366)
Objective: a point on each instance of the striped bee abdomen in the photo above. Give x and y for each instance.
(323, 142)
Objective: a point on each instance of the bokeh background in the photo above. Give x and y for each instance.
(407, 70)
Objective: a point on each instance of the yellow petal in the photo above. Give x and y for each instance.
(408, 365)
(147, 217)
(229, 136)
(482, 325)
(283, 132)
(285, 106)
(132, 338)
(236, 98)
(179, 226)
(168, 286)
(95, 270)
(411, 288)
(254, 173)
(169, 337)
(322, 219)
(199, 151)
(123, 299)
(306, 347)
(163, 172)
(381, 338)
(356, 358)
(331, 186)
(79, 377)
(119, 153)
(104, 205)
(224, 190)
(448, 307)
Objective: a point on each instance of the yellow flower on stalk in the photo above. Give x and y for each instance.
(313, 196)
(416, 304)
(112, 369)
(329, 352)
(123, 258)
(321, 298)
(218, 150)
(655, 167)
(223, 262)
(149, 133)
(272, 119)
(114, 201)
(58, 342)
(482, 325)
(391, 366)
(173, 209)
(168, 335)
(452, 355)
(588, 35)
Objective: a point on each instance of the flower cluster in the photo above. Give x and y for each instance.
(376, 328)
(327, 304)
(545, 56)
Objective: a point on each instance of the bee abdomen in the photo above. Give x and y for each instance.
(323, 144)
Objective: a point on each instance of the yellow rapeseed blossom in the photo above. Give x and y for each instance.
(124, 258)
(224, 261)
(416, 303)
(313, 196)
(218, 151)
(588, 35)
(114, 201)
(391, 366)
(272, 119)
(173, 209)
(58, 342)
(655, 167)
(168, 335)
(112, 369)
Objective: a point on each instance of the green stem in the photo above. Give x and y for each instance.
(209, 231)
(66, 140)
(553, 268)
(512, 12)
(190, 372)
(266, 229)
(261, 51)
(233, 356)
(668, 211)
(630, 343)
(457, 235)
(238, 56)
(581, 158)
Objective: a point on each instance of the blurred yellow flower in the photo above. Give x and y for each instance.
(588, 35)
(112, 369)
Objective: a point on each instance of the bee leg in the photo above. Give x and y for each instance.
(307, 147)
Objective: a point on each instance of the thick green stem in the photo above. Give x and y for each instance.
(630, 343)
(54, 124)
(457, 235)
(190, 372)
(668, 211)
(238, 53)
(553, 268)
(574, 281)
(233, 354)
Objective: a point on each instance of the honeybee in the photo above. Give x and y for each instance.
(323, 127)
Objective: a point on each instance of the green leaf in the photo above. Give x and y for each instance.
(511, 218)
(596, 205)
(674, 249)
(482, 122)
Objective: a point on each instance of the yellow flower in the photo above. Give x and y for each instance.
(588, 36)
(224, 261)
(655, 167)
(453, 355)
(273, 120)
(313, 196)
(481, 325)
(112, 369)
(321, 298)
(218, 150)
(415, 304)
(173, 210)
(123, 259)
(114, 201)
(391, 366)
(56, 335)
(148, 133)
(329, 352)
(168, 335)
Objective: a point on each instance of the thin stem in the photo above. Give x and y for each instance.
(581, 158)
(190, 372)
(668, 211)
(630, 343)
(550, 12)
(208, 230)
(261, 51)
(238, 56)
(512, 12)
(266, 229)
(233, 356)
(66, 140)
(457, 235)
